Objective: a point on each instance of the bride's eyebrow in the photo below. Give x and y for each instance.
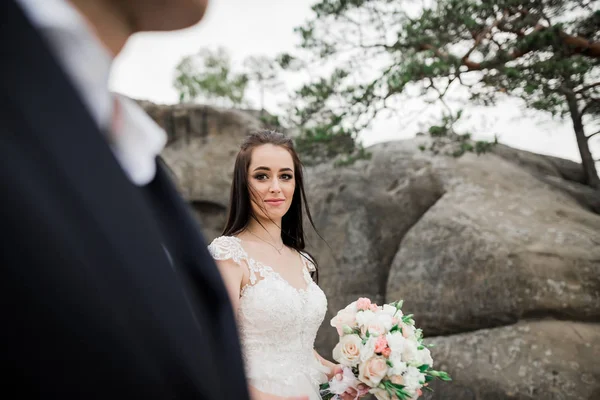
(269, 169)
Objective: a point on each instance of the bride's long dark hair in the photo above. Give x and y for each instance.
(240, 207)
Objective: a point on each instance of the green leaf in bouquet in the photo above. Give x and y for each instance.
(347, 330)
(398, 304)
(440, 375)
(389, 363)
(324, 391)
(407, 319)
(444, 376)
(420, 347)
(428, 378)
(423, 368)
(398, 390)
(395, 328)
(402, 395)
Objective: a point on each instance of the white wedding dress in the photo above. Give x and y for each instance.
(278, 325)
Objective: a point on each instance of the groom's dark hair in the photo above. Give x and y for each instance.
(240, 207)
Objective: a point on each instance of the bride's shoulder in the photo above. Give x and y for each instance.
(226, 247)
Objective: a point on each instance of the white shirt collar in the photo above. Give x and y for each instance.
(87, 62)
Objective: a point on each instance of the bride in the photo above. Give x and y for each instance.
(268, 273)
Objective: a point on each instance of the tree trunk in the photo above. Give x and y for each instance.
(587, 161)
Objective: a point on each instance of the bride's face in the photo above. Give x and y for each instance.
(272, 181)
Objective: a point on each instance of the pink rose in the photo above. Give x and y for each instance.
(347, 351)
(381, 344)
(341, 319)
(374, 307)
(387, 352)
(372, 371)
(363, 303)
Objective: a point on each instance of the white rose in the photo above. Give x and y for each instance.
(395, 341)
(410, 352)
(376, 323)
(424, 357)
(399, 366)
(341, 320)
(413, 379)
(348, 350)
(385, 320)
(368, 349)
(351, 308)
(389, 310)
(364, 318)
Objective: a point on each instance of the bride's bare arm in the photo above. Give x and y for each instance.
(326, 363)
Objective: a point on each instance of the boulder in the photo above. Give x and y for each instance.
(529, 360)
(499, 246)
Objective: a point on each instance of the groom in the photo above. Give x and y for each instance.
(108, 289)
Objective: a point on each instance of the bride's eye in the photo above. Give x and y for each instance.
(261, 177)
(287, 177)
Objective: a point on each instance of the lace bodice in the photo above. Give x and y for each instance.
(278, 323)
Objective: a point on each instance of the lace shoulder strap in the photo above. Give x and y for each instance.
(230, 248)
(308, 262)
(227, 247)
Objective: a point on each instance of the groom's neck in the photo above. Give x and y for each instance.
(110, 21)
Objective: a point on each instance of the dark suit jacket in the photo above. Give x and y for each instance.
(93, 306)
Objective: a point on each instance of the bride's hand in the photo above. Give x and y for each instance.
(351, 393)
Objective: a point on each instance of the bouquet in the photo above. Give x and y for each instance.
(380, 347)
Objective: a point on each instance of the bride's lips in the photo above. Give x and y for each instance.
(275, 202)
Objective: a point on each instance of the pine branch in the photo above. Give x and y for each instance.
(483, 34)
(588, 87)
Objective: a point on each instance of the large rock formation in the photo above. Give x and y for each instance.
(202, 145)
(473, 245)
(497, 255)
(516, 245)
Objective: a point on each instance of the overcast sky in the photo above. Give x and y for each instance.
(145, 70)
